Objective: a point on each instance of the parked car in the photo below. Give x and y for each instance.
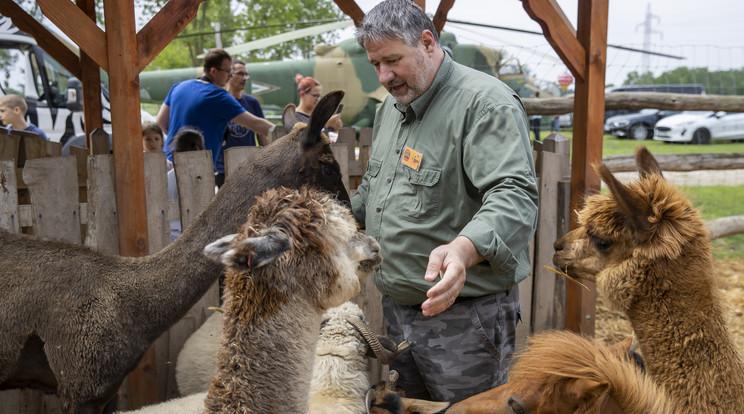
(638, 126)
(700, 127)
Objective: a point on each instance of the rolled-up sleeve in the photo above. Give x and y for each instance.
(497, 158)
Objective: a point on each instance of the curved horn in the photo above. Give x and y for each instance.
(385, 353)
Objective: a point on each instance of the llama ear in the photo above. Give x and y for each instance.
(289, 116)
(581, 389)
(634, 209)
(215, 249)
(321, 114)
(647, 164)
(255, 252)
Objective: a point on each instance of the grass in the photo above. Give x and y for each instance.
(616, 146)
(720, 201)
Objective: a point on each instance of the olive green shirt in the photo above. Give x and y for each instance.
(476, 179)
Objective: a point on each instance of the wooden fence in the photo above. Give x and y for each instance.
(73, 199)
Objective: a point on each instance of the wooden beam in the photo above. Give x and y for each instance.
(163, 27)
(121, 43)
(351, 9)
(641, 100)
(91, 79)
(587, 143)
(559, 32)
(46, 40)
(79, 27)
(440, 17)
(421, 3)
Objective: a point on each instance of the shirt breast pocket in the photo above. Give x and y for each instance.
(373, 168)
(422, 193)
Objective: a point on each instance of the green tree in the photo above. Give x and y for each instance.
(722, 82)
(239, 23)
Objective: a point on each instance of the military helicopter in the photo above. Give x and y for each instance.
(341, 66)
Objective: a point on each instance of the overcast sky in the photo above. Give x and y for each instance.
(707, 33)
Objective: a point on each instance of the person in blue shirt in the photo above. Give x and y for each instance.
(13, 115)
(237, 135)
(203, 104)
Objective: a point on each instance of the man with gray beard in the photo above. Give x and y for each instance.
(450, 195)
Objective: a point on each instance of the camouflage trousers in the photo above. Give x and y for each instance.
(460, 352)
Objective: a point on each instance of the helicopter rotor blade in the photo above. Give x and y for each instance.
(286, 36)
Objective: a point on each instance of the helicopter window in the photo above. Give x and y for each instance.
(15, 73)
(58, 77)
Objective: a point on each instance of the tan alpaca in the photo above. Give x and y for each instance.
(563, 373)
(298, 254)
(650, 253)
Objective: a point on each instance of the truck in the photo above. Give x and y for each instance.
(51, 91)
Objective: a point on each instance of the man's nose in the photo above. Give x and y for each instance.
(385, 75)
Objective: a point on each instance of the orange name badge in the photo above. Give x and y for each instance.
(412, 158)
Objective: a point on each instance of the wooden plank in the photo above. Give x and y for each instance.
(126, 133)
(10, 145)
(341, 153)
(98, 142)
(351, 9)
(90, 76)
(9, 220)
(196, 190)
(162, 28)
(587, 142)
(640, 100)
(195, 183)
(53, 186)
(32, 146)
(370, 301)
(544, 280)
(559, 32)
(53, 149)
(440, 17)
(524, 328)
(103, 226)
(79, 27)
(156, 194)
(45, 39)
(235, 156)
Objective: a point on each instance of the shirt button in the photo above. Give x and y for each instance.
(389, 180)
(378, 209)
(397, 151)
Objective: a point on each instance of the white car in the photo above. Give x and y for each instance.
(700, 127)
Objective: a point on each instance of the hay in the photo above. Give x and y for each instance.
(612, 326)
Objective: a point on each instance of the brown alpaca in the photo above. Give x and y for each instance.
(563, 373)
(75, 322)
(650, 254)
(298, 254)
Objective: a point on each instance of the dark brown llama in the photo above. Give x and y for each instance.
(649, 252)
(75, 322)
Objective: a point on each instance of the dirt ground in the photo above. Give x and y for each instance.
(612, 327)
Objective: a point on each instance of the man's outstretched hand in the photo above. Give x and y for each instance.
(450, 261)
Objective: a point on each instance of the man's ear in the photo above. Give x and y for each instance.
(428, 40)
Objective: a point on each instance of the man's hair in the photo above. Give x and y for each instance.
(188, 139)
(238, 62)
(14, 101)
(152, 127)
(395, 19)
(214, 59)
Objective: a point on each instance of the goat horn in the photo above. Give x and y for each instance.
(382, 353)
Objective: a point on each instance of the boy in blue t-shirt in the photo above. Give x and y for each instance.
(13, 115)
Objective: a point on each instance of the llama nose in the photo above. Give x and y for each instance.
(558, 245)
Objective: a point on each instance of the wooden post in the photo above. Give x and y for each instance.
(91, 79)
(587, 142)
(121, 42)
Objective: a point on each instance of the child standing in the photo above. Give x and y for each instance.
(152, 138)
(13, 115)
